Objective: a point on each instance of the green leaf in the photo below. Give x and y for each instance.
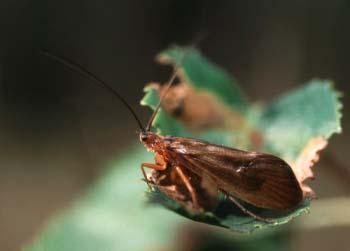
(231, 218)
(287, 125)
(292, 120)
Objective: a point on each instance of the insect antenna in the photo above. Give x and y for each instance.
(165, 92)
(75, 66)
(172, 78)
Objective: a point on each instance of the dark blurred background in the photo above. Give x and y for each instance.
(57, 129)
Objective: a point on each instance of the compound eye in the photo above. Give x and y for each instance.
(143, 137)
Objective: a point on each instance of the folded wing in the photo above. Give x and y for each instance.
(261, 179)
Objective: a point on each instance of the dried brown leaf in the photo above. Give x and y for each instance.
(303, 165)
(199, 110)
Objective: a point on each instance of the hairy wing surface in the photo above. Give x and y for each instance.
(261, 179)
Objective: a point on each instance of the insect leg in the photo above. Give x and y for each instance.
(145, 176)
(152, 166)
(188, 186)
(246, 211)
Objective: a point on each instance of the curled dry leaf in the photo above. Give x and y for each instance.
(183, 102)
(302, 167)
(199, 110)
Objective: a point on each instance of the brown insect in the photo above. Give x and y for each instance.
(260, 179)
